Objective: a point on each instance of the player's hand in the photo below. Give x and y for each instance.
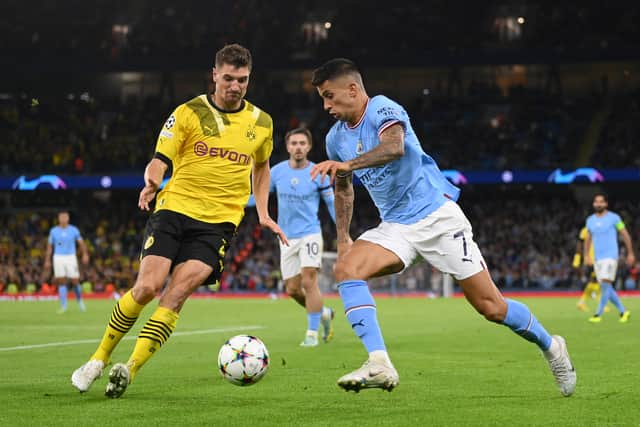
(147, 194)
(330, 168)
(587, 260)
(273, 226)
(631, 260)
(85, 259)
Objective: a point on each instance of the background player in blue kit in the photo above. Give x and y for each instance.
(603, 227)
(374, 140)
(62, 244)
(298, 203)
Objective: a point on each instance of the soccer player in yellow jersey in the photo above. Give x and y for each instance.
(592, 288)
(215, 143)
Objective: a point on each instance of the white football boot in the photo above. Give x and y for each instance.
(310, 339)
(119, 379)
(371, 375)
(85, 375)
(561, 366)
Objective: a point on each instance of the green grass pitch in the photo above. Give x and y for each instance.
(455, 368)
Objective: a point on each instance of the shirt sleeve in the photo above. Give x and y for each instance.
(263, 153)
(78, 236)
(619, 224)
(387, 113)
(50, 239)
(172, 136)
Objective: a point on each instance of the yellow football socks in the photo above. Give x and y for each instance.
(124, 315)
(156, 332)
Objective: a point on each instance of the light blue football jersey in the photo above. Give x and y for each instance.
(604, 234)
(64, 240)
(405, 190)
(299, 199)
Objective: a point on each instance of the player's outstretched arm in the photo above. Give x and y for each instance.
(153, 174)
(626, 238)
(344, 211)
(261, 182)
(390, 148)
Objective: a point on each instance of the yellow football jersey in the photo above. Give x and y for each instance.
(583, 236)
(212, 153)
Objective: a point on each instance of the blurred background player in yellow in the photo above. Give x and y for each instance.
(216, 144)
(585, 273)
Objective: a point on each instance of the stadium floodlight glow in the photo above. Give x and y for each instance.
(327, 25)
(521, 20)
(106, 182)
(507, 177)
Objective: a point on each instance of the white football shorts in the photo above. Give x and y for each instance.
(606, 269)
(444, 238)
(65, 266)
(302, 252)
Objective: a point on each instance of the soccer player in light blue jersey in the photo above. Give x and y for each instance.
(373, 139)
(603, 227)
(298, 203)
(62, 244)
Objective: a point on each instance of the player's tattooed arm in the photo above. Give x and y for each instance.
(391, 147)
(344, 207)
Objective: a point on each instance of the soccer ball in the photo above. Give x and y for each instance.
(243, 360)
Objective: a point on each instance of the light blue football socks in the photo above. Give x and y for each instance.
(521, 321)
(360, 309)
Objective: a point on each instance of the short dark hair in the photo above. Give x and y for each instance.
(301, 130)
(603, 195)
(234, 54)
(334, 68)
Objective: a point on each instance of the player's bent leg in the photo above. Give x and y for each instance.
(485, 297)
(186, 278)
(153, 271)
(363, 261)
(293, 288)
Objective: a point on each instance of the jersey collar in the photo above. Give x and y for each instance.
(364, 113)
(237, 110)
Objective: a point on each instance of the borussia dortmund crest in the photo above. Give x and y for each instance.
(251, 133)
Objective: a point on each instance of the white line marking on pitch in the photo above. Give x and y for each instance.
(175, 334)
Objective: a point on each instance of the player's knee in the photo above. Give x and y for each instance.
(144, 290)
(309, 279)
(292, 290)
(345, 271)
(493, 311)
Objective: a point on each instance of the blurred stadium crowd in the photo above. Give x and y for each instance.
(479, 130)
(528, 242)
